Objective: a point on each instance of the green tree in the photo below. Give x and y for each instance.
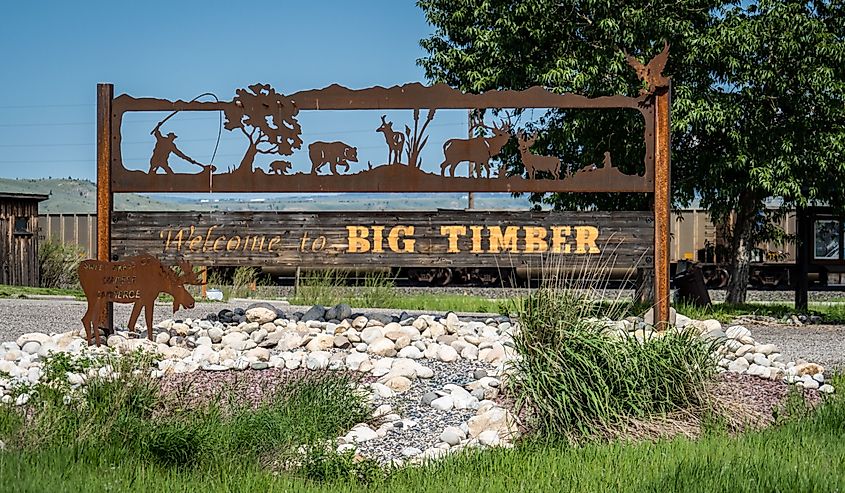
(757, 94)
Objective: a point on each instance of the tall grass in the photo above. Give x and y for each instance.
(330, 287)
(122, 416)
(797, 455)
(58, 263)
(577, 380)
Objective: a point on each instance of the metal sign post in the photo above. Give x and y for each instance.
(105, 197)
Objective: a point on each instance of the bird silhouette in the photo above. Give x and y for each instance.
(652, 72)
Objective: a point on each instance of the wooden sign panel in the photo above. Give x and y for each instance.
(404, 239)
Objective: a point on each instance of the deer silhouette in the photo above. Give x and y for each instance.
(476, 150)
(395, 140)
(534, 163)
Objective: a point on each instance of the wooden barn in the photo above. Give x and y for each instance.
(19, 244)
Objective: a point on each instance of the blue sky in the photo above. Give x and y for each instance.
(54, 53)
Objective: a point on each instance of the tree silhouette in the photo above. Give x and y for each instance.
(267, 119)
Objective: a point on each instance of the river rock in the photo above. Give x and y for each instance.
(447, 354)
(382, 347)
(261, 315)
(316, 312)
(452, 435)
(340, 311)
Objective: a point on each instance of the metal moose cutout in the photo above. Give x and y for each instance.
(137, 280)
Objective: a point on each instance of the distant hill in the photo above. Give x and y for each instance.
(70, 196)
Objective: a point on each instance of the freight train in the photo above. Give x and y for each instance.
(693, 237)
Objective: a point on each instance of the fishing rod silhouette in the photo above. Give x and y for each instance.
(165, 146)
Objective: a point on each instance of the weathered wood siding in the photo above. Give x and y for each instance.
(323, 238)
(18, 252)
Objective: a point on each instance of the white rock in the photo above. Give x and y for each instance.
(489, 438)
(23, 398)
(320, 342)
(452, 435)
(363, 434)
(318, 360)
(444, 403)
(761, 359)
(737, 332)
(261, 315)
(371, 334)
(411, 452)
(398, 384)
(216, 334)
(382, 390)
(38, 337)
(766, 349)
(447, 354)
(258, 354)
(411, 352)
(354, 360)
(162, 337)
(32, 347)
(382, 347)
(826, 388)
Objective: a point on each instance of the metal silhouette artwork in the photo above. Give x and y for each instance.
(267, 119)
(652, 72)
(332, 153)
(533, 162)
(138, 280)
(269, 124)
(476, 150)
(416, 141)
(279, 167)
(395, 140)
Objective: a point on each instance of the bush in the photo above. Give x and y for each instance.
(58, 263)
(578, 381)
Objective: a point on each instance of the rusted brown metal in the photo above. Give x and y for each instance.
(662, 201)
(105, 205)
(138, 280)
(269, 123)
(652, 72)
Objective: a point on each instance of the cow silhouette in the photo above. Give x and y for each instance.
(332, 153)
(137, 280)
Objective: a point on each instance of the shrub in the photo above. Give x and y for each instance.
(58, 263)
(578, 381)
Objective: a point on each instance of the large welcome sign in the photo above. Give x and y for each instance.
(284, 148)
(407, 239)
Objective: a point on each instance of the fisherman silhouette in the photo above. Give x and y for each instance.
(165, 146)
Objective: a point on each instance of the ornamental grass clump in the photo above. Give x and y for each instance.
(578, 379)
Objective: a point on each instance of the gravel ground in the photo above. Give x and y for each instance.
(822, 344)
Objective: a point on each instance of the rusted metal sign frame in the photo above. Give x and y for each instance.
(654, 104)
(386, 178)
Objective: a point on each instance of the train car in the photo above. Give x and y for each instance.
(694, 237)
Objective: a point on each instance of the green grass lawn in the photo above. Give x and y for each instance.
(7, 291)
(806, 455)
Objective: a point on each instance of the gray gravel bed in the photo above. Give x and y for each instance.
(822, 344)
(429, 422)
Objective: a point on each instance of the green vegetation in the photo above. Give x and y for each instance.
(378, 290)
(797, 455)
(7, 291)
(58, 263)
(123, 418)
(579, 380)
(757, 90)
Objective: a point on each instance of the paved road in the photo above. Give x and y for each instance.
(823, 344)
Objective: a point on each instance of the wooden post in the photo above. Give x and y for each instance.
(803, 242)
(105, 204)
(204, 287)
(662, 202)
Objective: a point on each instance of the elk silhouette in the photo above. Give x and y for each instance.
(476, 150)
(395, 140)
(534, 163)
